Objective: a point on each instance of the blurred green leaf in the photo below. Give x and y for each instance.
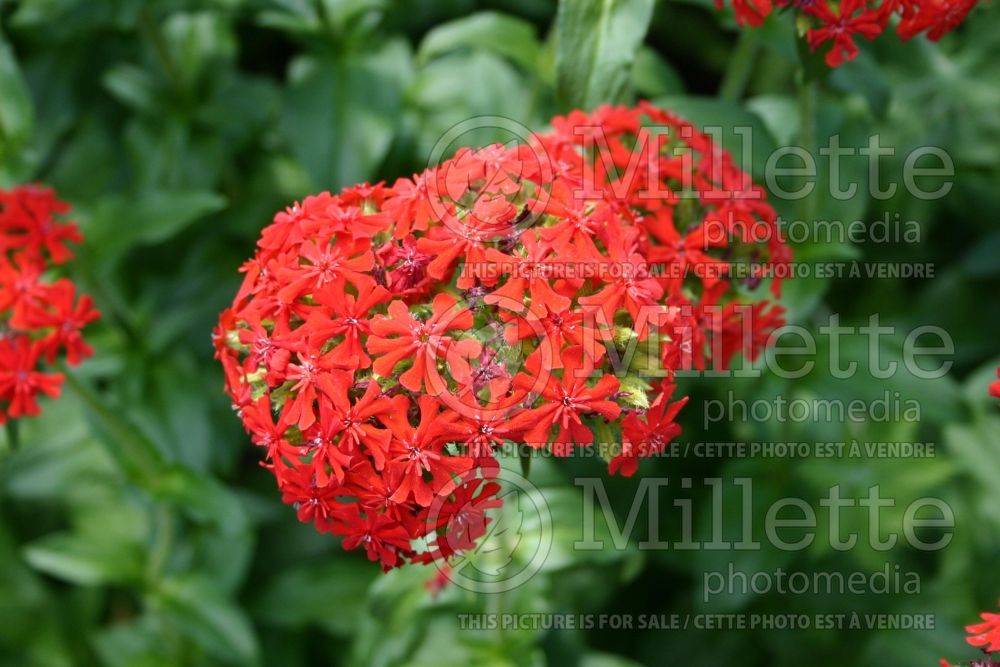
(201, 497)
(497, 33)
(596, 44)
(136, 643)
(445, 98)
(781, 115)
(195, 42)
(981, 260)
(978, 448)
(864, 75)
(16, 119)
(62, 451)
(200, 611)
(331, 595)
(340, 112)
(132, 85)
(131, 450)
(291, 15)
(64, 18)
(606, 660)
(22, 594)
(653, 76)
(977, 384)
(121, 222)
(85, 561)
(15, 102)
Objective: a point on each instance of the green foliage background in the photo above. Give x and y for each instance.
(136, 528)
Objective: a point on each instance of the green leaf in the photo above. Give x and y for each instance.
(195, 42)
(342, 15)
(497, 33)
(15, 101)
(16, 114)
(606, 660)
(865, 76)
(596, 44)
(136, 643)
(292, 16)
(59, 450)
(202, 498)
(340, 114)
(976, 388)
(981, 259)
(210, 619)
(569, 508)
(780, 114)
(132, 85)
(121, 222)
(652, 76)
(977, 447)
(22, 592)
(331, 595)
(459, 87)
(85, 561)
(134, 453)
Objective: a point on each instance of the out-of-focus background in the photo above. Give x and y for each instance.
(136, 527)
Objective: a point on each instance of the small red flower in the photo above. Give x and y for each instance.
(935, 17)
(321, 266)
(382, 538)
(531, 274)
(749, 12)
(647, 434)
(565, 400)
(346, 319)
(416, 453)
(31, 222)
(353, 420)
(482, 430)
(64, 315)
(20, 382)
(399, 335)
(305, 374)
(840, 26)
(985, 635)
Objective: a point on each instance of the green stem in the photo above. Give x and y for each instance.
(136, 456)
(524, 453)
(151, 33)
(13, 435)
(163, 539)
(808, 96)
(740, 67)
(499, 610)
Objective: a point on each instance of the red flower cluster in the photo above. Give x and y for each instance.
(388, 340)
(40, 319)
(995, 387)
(838, 23)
